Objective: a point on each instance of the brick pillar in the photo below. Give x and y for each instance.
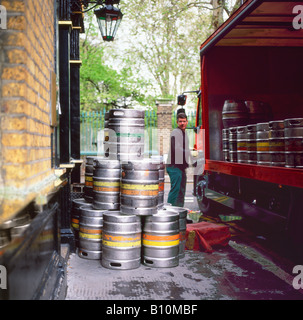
(164, 113)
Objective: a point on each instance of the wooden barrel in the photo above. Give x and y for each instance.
(263, 155)
(277, 143)
(121, 241)
(161, 239)
(234, 114)
(139, 187)
(293, 133)
(106, 184)
(258, 111)
(251, 143)
(242, 144)
(232, 144)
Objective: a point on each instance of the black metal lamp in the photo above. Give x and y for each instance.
(109, 19)
(108, 16)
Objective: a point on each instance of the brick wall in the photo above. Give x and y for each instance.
(27, 60)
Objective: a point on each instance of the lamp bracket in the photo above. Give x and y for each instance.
(98, 3)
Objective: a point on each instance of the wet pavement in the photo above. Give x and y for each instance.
(239, 271)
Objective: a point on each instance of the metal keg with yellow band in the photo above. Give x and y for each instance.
(75, 216)
(106, 184)
(182, 226)
(251, 143)
(159, 160)
(277, 143)
(90, 232)
(161, 239)
(293, 132)
(263, 155)
(139, 187)
(121, 241)
(88, 187)
(242, 144)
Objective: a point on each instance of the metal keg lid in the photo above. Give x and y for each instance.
(294, 122)
(89, 210)
(251, 127)
(276, 125)
(90, 160)
(79, 202)
(233, 130)
(182, 211)
(263, 126)
(117, 216)
(241, 129)
(163, 215)
(144, 164)
(100, 162)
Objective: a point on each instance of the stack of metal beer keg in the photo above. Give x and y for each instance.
(249, 137)
(122, 219)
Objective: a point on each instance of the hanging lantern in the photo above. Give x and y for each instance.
(109, 19)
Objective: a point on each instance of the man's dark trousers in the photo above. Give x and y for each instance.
(178, 186)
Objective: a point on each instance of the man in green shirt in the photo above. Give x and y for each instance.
(178, 161)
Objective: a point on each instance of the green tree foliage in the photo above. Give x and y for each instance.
(155, 54)
(165, 37)
(101, 85)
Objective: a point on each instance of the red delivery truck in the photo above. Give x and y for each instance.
(250, 112)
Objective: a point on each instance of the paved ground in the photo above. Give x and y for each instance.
(236, 272)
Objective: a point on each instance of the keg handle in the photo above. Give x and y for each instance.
(118, 113)
(294, 122)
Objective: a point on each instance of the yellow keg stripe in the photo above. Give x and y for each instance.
(161, 244)
(75, 225)
(140, 186)
(107, 183)
(121, 244)
(90, 236)
(120, 238)
(88, 181)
